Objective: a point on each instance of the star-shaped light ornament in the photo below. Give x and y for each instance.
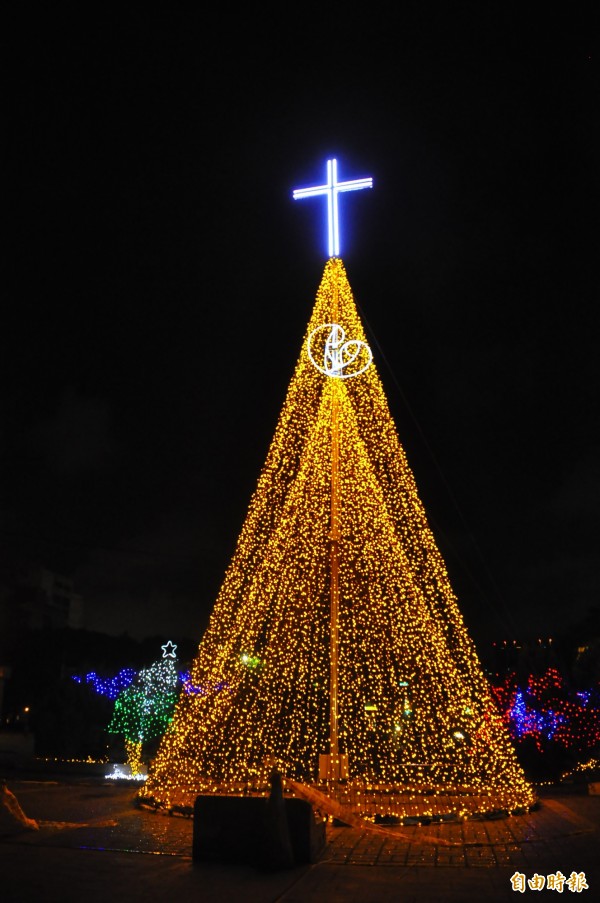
(169, 650)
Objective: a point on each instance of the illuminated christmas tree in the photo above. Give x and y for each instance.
(145, 708)
(336, 649)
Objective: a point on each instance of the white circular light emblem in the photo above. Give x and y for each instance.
(341, 359)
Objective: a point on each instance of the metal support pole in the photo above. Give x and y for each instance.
(334, 757)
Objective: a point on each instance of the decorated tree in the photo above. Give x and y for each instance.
(336, 649)
(546, 710)
(144, 709)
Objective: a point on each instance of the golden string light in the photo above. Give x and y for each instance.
(416, 718)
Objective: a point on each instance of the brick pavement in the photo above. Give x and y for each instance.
(94, 832)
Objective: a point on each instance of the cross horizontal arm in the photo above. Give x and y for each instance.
(354, 185)
(310, 192)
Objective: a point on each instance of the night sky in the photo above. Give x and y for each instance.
(160, 278)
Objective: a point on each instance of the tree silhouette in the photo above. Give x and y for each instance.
(145, 708)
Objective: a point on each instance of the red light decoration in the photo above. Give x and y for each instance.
(550, 711)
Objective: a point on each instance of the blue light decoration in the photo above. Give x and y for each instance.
(518, 713)
(331, 190)
(530, 721)
(109, 686)
(113, 686)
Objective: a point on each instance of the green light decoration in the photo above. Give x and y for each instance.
(251, 661)
(145, 709)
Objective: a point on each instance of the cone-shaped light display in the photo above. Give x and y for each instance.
(336, 636)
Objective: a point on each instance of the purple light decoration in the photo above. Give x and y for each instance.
(196, 690)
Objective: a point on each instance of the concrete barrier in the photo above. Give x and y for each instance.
(245, 829)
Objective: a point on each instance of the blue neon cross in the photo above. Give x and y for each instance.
(332, 189)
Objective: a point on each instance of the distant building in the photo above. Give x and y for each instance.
(45, 599)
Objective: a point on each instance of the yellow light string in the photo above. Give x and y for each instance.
(133, 748)
(416, 717)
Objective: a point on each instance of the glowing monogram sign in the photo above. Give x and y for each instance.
(332, 355)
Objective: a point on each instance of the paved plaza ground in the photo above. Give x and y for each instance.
(95, 844)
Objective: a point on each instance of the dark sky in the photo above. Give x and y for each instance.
(160, 278)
